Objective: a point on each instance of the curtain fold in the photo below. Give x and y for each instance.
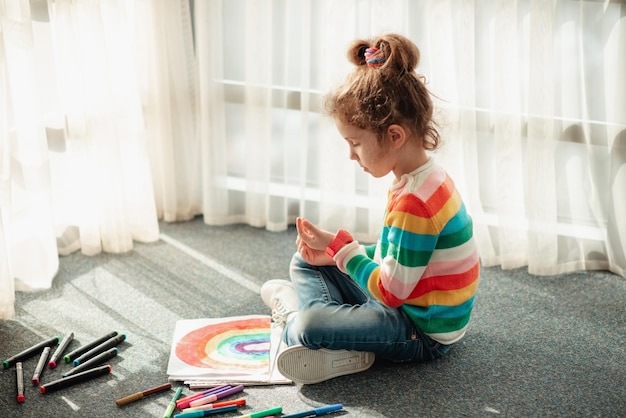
(118, 113)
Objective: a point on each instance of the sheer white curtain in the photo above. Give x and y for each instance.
(116, 113)
(74, 161)
(532, 109)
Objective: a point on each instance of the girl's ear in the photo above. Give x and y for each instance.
(396, 136)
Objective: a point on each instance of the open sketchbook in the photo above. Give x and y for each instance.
(239, 349)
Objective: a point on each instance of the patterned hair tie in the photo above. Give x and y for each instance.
(374, 57)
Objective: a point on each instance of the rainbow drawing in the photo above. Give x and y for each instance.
(239, 345)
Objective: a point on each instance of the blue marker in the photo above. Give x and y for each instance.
(83, 349)
(111, 342)
(315, 412)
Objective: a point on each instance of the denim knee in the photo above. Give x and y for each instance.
(310, 328)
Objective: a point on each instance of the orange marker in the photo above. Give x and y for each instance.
(139, 395)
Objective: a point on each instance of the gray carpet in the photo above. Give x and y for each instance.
(537, 346)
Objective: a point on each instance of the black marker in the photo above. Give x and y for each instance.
(40, 365)
(111, 342)
(56, 356)
(29, 352)
(74, 379)
(20, 382)
(80, 350)
(100, 358)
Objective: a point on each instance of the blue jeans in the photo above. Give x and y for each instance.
(335, 313)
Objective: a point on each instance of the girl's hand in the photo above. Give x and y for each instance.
(312, 236)
(312, 243)
(314, 257)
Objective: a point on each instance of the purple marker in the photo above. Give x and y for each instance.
(183, 403)
(216, 396)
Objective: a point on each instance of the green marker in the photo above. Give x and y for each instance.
(80, 350)
(265, 413)
(29, 352)
(172, 405)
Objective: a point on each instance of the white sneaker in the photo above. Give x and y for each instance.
(306, 366)
(281, 297)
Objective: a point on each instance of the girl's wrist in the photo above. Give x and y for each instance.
(342, 238)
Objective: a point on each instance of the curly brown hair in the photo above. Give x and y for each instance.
(375, 97)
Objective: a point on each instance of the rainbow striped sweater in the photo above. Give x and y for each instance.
(425, 261)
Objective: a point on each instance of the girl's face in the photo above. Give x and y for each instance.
(366, 150)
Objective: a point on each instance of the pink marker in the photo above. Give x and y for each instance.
(184, 402)
(213, 398)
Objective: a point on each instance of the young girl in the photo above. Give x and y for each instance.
(409, 297)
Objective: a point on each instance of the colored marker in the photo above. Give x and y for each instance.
(172, 405)
(76, 378)
(184, 402)
(111, 342)
(139, 395)
(216, 396)
(205, 395)
(29, 352)
(99, 359)
(238, 402)
(40, 365)
(315, 412)
(265, 413)
(80, 350)
(200, 414)
(20, 382)
(56, 356)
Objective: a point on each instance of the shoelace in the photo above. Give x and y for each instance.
(280, 313)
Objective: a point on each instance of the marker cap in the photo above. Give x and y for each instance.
(21, 398)
(52, 364)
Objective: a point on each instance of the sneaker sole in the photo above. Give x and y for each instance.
(306, 366)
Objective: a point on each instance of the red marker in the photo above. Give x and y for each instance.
(40, 365)
(20, 382)
(56, 356)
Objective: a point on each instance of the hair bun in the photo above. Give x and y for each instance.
(401, 54)
(356, 53)
(391, 51)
